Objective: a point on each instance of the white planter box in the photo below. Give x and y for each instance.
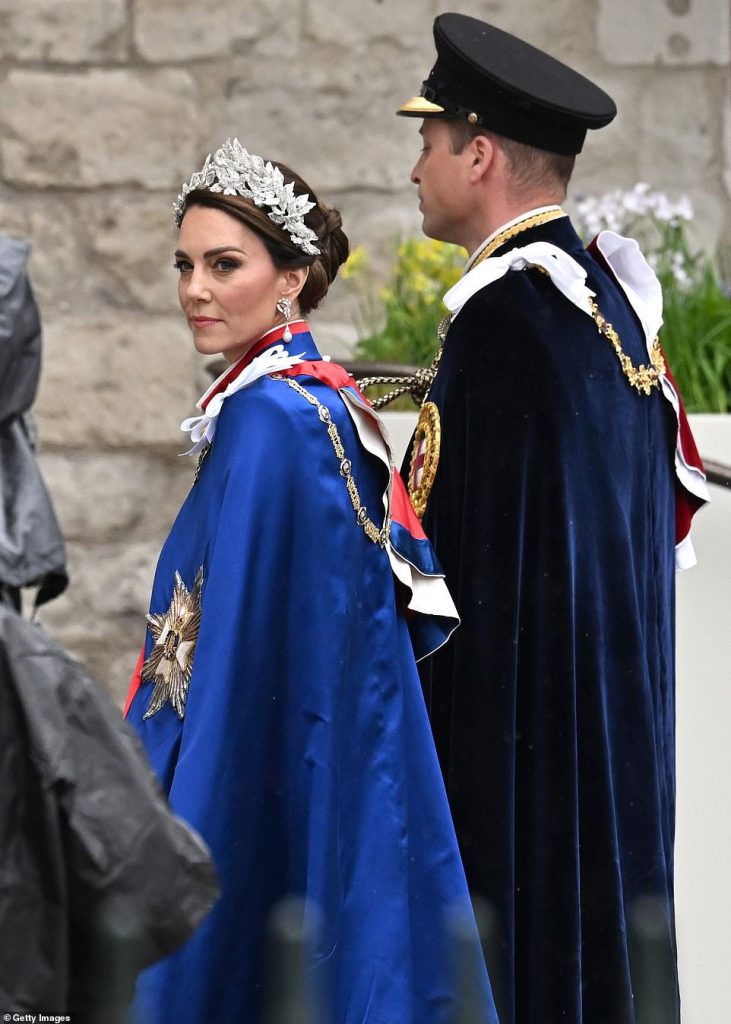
(703, 838)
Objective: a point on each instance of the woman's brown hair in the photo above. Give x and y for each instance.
(324, 221)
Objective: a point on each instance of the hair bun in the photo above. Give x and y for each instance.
(334, 249)
(333, 220)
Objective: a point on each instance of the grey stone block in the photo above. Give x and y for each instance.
(358, 22)
(98, 128)
(726, 137)
(664, 32)
(677, 119)
(116, 496)
(115, 383)
(132, 239)
(66, 31)
(171, 30)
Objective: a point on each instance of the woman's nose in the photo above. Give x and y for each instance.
(197, 285)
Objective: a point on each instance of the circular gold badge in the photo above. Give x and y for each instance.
(424, 457)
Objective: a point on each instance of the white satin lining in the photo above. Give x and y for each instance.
(428, 594)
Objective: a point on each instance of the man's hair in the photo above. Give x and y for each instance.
(530, 168)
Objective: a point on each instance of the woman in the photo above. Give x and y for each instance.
(278, 697)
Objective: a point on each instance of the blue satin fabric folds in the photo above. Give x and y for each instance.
(552, 515)
(305, 757)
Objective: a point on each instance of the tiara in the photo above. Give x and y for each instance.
(233, 171)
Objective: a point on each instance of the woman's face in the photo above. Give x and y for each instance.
(228, 286)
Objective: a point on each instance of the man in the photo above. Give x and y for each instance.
(544, 467)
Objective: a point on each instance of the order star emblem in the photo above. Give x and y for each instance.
(175, 633)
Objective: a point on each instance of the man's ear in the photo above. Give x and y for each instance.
(482, 152)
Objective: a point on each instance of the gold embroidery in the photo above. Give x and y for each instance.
(424, 457)
(175, 632)
(372, 532)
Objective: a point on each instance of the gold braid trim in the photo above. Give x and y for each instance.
(372, 532)
(516, 229)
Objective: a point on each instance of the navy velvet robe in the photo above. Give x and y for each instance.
(552, 706)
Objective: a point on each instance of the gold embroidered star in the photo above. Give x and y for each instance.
(170, 664)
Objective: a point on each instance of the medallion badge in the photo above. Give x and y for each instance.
(175, 634)
(424, 457)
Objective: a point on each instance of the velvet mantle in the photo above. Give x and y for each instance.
(553, 705)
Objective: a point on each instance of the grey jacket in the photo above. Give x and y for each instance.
(31, 547)
(97, 877)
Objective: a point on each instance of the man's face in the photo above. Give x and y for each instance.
(441, 177)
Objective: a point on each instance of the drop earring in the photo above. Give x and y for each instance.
(284, 306)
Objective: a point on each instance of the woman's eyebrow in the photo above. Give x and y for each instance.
(213, 252)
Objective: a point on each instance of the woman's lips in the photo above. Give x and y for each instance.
(203, 321)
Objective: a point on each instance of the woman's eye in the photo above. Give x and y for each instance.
(227, 265)
(182, 266)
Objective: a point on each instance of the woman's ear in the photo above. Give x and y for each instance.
(293, 281)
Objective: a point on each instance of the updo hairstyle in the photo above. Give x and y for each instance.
(324, 221)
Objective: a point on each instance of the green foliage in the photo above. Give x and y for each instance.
(696, 338)
(401, 326)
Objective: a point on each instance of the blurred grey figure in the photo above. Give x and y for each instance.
(98, 878)
(31, 546)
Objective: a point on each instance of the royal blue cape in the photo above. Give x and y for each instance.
(305, 757)
(553, 705)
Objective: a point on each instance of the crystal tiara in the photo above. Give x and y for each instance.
(233, 171)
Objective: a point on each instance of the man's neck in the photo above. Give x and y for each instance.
(505, 225)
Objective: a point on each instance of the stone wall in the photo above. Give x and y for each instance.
(106, 106)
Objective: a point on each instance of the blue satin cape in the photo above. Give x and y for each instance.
(305, 758)
(553, 706)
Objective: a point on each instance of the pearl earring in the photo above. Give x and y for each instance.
(284, 306)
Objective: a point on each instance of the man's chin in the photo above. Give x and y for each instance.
(432, 230)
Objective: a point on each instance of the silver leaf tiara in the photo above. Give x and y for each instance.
(233, 171)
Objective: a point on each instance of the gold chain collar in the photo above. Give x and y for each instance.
(378, 535)
(642, 378)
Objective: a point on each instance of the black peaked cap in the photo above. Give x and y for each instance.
(489, 77)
